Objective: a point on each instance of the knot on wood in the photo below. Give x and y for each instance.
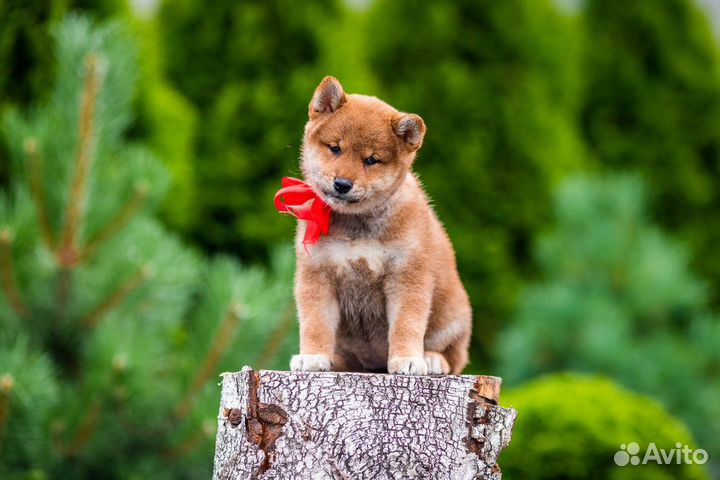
(476, 416)
(264, 423)
(484, 394)
(234, 416)
(265, 427)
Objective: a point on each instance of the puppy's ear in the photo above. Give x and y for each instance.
(411, 129)
(328, 97)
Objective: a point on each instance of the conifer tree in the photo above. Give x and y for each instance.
(651, 104)
(112, 332)
(616, 297)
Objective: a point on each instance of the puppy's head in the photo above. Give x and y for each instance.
(357, 149)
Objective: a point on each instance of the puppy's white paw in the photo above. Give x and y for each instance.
(436, 364)
(408, 366)
(310, 363)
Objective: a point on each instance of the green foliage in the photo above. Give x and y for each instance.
(26, 66)
(165, 120)
(27, 62)
(570, 426)
(616, 297)
(113, 331)
(168, 123)
(110, 344)
(27, 391)
(651, 103)
(497, 93)
(250, 69)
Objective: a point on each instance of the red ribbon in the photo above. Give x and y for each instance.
(299, 200)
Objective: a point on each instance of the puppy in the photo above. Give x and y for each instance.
(381, 291)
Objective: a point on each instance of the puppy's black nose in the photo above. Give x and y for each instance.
(342, 185)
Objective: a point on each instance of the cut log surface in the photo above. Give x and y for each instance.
(326, 425)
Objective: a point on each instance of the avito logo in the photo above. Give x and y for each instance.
(628, 454)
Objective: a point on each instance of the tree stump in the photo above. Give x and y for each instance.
(325, 425)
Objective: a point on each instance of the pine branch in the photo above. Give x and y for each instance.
(7, 383)
(121, 219)
(64, 285)
(7, 272)
(88, 425)
(85, 431)
(68, 254)
(219, 345)
(37, 191)
(118, 296)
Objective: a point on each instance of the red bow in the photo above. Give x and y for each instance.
(299, 200)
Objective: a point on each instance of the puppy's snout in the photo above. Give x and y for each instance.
(342, 185)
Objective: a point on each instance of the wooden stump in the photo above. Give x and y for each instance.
(278, 425)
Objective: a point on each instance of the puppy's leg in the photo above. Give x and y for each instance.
(457, 355)
(339, 363)
(408, 308)
(448, 345)
(436, 362)
(319, 314)
(450, 327)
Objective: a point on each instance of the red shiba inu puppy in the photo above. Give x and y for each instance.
(380, 291)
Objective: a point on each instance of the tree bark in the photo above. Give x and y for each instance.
(283, 425)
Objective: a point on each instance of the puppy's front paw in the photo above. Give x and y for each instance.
(436, 363)
(408, 366)
(310, 363)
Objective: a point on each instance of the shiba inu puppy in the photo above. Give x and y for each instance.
(381, 291)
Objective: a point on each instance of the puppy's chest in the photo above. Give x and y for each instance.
(356, 260)
(360, 269)
(355, 248)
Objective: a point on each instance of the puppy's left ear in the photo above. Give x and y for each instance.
(411, 129)
(328, 97)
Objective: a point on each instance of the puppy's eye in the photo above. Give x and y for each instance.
(371, 160)
(335, 149)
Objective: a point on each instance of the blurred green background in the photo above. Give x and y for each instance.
(573, 153)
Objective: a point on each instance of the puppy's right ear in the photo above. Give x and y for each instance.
(328, 97)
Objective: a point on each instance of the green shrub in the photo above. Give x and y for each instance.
(496, 84)
(571, 426)
(651, 104)
(616, 297)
